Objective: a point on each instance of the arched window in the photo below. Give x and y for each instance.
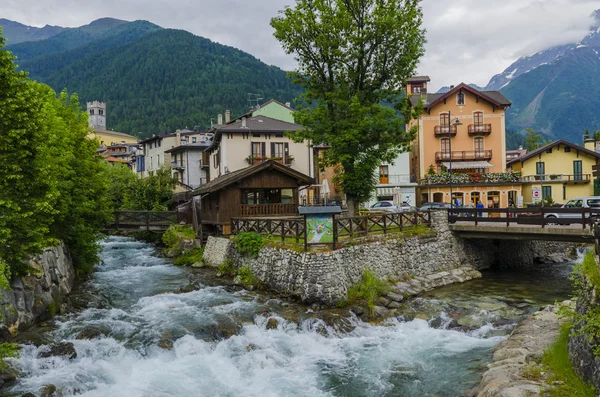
(91, 111)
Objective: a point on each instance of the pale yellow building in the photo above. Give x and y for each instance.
(560, 170)
(462, 130)
(110, 138)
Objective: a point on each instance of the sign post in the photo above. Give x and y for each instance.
(319, 225)
(537, 194)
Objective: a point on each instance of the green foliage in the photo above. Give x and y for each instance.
(532, 371)
(154, 193)
(194, 77)
(8, 350)
(175, 234)
(247, 276)
(121, 184)
(586, 134)
(556, 360)
(189, 257)
(589, 267)
(369, 288)
(52, 186)
(548, 200)
(533, 140)
(226, 269)
(249, 243)
(353, 58)
(53, 308)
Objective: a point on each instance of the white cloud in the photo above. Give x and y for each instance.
(468, 40)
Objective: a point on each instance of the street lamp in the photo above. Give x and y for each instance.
(456, 123)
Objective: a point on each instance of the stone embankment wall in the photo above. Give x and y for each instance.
(585, 363)
(36, 297)
(326, 277)
(507, 374)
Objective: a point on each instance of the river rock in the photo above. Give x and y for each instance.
(28, 395)
(380, 312)
(272, 323)
(395, 297)
(49, 391)
(60, 349)
(91, 333)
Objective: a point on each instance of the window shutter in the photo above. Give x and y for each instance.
(263, 149)
(251, 150)
(272, 149)
(286, 148)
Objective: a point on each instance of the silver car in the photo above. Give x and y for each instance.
(592, 202)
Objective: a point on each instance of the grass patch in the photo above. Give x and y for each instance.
(532, 371)
(247, 277)
(175, 234)
(368, 289)
(556, 361)
(589, 267)
(226, 269)
(189, 257)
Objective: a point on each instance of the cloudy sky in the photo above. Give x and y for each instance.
(468, 40)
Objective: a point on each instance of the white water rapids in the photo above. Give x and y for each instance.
(306, 359)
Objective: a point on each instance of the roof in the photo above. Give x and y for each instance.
(115, 133)
(257, 124)
(249, 113)
(550, 145)
(494, 97)
(190, 146)
(172, 134)
(228, 179)
(518, 152)
(112, 159)
(418, 79)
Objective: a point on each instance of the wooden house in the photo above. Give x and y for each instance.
(266, 189)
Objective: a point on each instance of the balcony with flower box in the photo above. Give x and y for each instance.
(442, 131)
(474, 178)
(287, 160)
(480, 129)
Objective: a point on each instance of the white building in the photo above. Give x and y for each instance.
(189, 164)
(395, 177)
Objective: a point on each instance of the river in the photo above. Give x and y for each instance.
(214, 341)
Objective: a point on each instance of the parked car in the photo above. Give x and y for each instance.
(386, 206)
(428, 206)
(592, 202)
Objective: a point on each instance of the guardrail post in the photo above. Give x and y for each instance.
(385, 224)
(583, 216)
(507, 216)
(476, 217)
(282, 230)
(297, 232)
(543, 218)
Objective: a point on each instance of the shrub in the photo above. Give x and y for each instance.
(532, 371)
(226, 269)
(249, 243)
(7, 350)
(589, 267)
(189, 257)
(175, 235)
(247, 276)
(556, 360)
(369, 288)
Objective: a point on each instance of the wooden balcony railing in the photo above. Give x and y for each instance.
(441, 131)
(268, 209)
(480, 129)
(484, 155)
(581, 178)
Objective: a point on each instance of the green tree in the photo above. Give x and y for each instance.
(154, 193)
(586, 134)
(533, 140)
(353, 58)
(121, 183)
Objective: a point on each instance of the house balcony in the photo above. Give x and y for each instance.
(480, 129)
(464, 155)
(563, 178)
(473, 178)
(400, 179)
(442, 131)
(268, 209)
(287, 160)
(177, 165)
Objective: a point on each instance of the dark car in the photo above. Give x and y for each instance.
(428, 206)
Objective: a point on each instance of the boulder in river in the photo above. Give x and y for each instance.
(272, 323)
(50, 391)
(60, 349)
(91, 333)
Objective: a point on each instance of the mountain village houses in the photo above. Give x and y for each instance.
(460, 147)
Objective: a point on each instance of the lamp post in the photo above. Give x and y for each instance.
(456, 123)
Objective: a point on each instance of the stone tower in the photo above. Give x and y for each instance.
(97, 115)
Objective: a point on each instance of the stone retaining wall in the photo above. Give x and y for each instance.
(585, 363)
(34, 298)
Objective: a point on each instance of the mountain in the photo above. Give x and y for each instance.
(153, 80)
(556, 92)
(16, 32)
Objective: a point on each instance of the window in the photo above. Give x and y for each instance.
(257, 150)
(540, 168)
(159, 142)
(445, 120)
(574, 204)
(549, 150)
(101, 112)
(193, 139)
(92, 112)
(384, 175)
(255, 135)
(567, 149)
(267, 196)
(445, 146)
(577, 170)
(460, 99)
(279, 135)
(158, 160)
(593, 203)
(564, 192)
(277, 150)
(478, 146)
(478, 118)
(546, 192)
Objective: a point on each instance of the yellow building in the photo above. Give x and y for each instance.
(560, 170)
(109, 138)
(462, 130)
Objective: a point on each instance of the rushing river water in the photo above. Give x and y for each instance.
(213, 341)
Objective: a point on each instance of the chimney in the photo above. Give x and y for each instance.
(178, 140)
(520, 147)
(227, 116)
(243, 122)
(220, 119)
(452, 86)
(288, 104)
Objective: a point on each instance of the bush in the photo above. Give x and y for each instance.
(175, 235)
(249, 243)
(247, 276)
(189, 257)
(8, 350)
(589, 267)
(226, 269)
(556, 360)
(369, 288)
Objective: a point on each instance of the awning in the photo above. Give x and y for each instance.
(464, 165)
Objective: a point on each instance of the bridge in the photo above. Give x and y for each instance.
(156, 221)
(544, 223)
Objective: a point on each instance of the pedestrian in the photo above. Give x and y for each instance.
(479, 205)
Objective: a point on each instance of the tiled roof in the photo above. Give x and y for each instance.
(495, 97)
(550, 145)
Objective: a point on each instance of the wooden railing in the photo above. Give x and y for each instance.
(358, 226)
(479, 129)
(268, 209)
(148, 220)
(542, 216)
(464, 155)
(558, 178)
(441, 131)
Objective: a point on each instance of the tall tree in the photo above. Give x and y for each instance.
(354, 57)
(533, 140)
